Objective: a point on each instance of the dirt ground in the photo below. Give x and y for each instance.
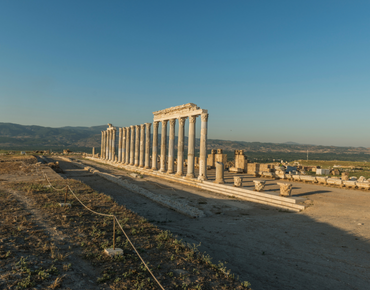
(46, 246)
(324, 247)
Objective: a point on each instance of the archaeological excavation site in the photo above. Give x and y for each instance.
(155, 208)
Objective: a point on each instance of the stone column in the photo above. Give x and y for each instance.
(132, 144)
(114, 131)
(93, 152)
(147, 146)
(219, 173)
(180, 147)
(127, 161)
(191, 147)
(106, 145)
(163, 146)
(203, 148)
(155, 146)
(142, 139)
(119, 144)
(123, 160)
(109, 144)
(171, 147)
(101, 145)
(137, 144)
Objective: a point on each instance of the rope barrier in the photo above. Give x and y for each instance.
(109, 215)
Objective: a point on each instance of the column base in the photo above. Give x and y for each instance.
(190, 175)
(202, 177)
(219, 181)
(141, 166)
(179, 174)
(146, 167)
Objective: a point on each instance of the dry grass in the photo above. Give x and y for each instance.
(176, 265)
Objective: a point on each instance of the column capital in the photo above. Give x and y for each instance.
(123, 129)
(164, 122)
(137, 127)
(182, 120)
(192, 119)
(172, 122)
(142, 126)
(204, 117)
(132, 126)
(148, 125)
(155, 124)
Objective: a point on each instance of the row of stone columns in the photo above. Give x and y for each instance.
(180, 146)
(108, 141)
(134, 146)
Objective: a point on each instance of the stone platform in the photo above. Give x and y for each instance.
(271, 198)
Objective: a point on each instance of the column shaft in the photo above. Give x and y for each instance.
(101, 144)
(132, 145)
(147, 146)
(123, 145)
(155, 146)
(137, 144)
(114, 131)
(127, 161)
(163, 146)
(180, 147)
(119, 144)
(142, 140)
(203, 148)
(191, 147)
(171, 146)
(106, 144)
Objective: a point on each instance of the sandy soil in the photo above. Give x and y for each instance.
(324, 247)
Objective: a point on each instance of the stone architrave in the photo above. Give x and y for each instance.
(203, 147)
(147, 146)
(171, 147)
(132, 145)
(285, 189)
(163, 146)
(259, 185)
(219, 173)
(127, 161)
(142, 140)
(238, 181)
(180, 147)
(137, 145)
(123, 152)
(119, 144)
(191, 147)
(155, 146)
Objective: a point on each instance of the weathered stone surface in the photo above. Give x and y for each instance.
(235, 170)
(334, 181)
(363, 185)
(349, 183)
(361, 179)
(285, 189)
(238, 181)
(219, 173)
(322, 180)
(259, 185)
(345, 176)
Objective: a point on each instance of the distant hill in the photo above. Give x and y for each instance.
(21, 137)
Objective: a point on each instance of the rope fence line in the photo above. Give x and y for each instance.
(67, 187)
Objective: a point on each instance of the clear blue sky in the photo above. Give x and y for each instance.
(269, 71)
